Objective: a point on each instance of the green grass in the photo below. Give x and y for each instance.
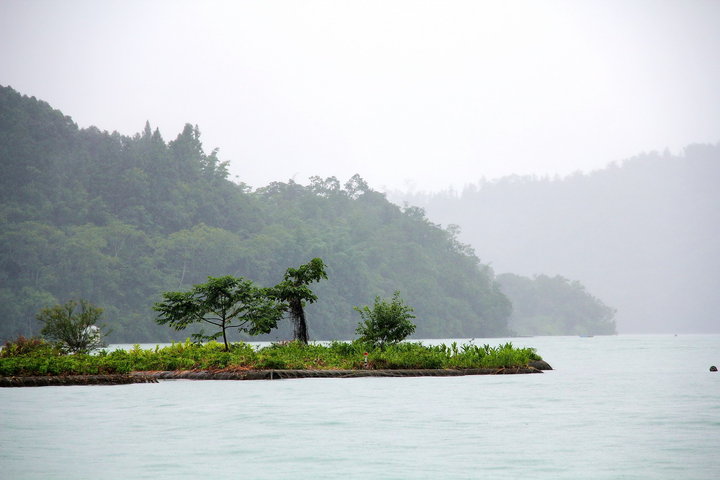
(35, 357)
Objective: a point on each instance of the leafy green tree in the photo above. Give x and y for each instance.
(294, 292)
(225, 302)
(75, 331)
(386, 323)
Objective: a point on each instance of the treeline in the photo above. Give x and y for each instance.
(119, 220)
(546, 305)
(641, 234)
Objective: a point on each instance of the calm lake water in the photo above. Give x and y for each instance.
(631, 407)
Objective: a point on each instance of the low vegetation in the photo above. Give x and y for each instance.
(227, 303)
(31, 357)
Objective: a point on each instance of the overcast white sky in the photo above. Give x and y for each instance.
(406, 93)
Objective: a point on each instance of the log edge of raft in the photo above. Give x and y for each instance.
(289, 374)
(154, 377)
(59, 380)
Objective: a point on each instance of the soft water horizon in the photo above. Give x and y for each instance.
(625, 406)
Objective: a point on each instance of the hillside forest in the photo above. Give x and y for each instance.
(118, 220)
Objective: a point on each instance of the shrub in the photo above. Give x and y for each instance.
(386, 323)
(27, 346)
(73, 331)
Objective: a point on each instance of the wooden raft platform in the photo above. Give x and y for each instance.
(56, 380)
(154, 377)
(288, 374)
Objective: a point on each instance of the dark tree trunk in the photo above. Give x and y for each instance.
(298, 317)
(227, 348)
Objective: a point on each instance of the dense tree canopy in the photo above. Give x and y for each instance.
(119, 220)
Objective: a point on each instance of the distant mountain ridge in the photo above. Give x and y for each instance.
(641, 234)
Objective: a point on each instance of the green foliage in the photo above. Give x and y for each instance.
(28, 346)
(386, 323)
(473, 356)
(74, 331)
(184, 356)
(297, 355)
(225, 302)
(241, 356)
(36, 356)
(406, 356)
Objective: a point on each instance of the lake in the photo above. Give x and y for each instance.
(628, 406)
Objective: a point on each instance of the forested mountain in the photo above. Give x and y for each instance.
(641, 235)
(118, 220)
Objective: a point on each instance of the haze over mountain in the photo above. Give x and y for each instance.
(430, 94)
(640, 234)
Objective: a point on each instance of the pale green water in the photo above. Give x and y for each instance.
(642, 407)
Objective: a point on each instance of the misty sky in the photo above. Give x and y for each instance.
(409, 94)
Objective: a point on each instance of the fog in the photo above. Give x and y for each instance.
(419, 97)
(409, 94)
(641, 235)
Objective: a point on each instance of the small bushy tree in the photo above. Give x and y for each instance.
(386, 323)
(225, 302)
(73, 326)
